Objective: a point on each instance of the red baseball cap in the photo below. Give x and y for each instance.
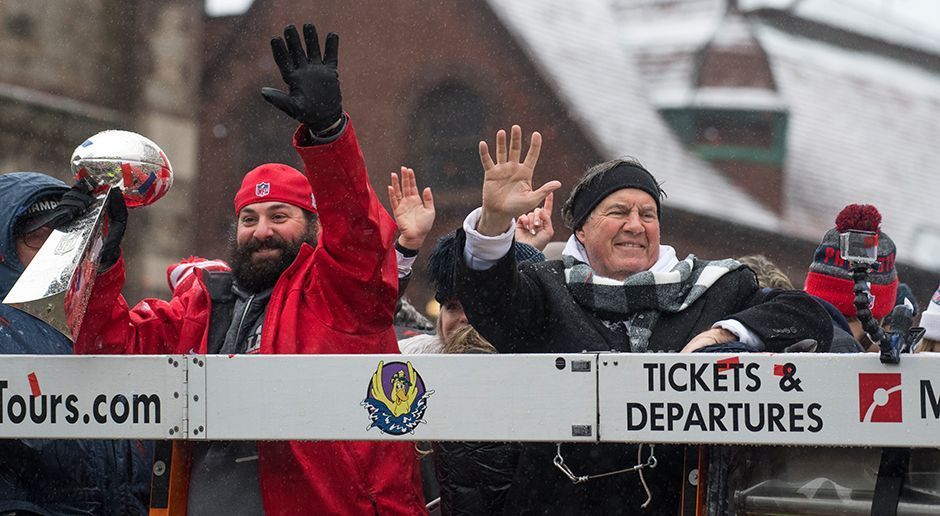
(275, 182)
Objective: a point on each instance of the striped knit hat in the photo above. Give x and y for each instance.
(830, 277)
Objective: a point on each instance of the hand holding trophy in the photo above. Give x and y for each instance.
(113, 171)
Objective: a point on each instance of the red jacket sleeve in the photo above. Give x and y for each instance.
(154, 326)
(354, 269)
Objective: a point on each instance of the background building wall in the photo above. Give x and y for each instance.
(388, 71)
(71, 68)
(424, 81)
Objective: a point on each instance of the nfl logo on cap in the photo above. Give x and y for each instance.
(275, 182)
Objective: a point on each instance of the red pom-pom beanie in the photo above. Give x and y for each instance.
(830, 277)
(275, 182)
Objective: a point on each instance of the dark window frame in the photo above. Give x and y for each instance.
(687, 121)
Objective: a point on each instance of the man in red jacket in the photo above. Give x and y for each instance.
(290, 290)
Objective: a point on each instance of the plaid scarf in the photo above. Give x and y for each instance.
(640, 298)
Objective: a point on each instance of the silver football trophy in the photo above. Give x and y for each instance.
(64, 270)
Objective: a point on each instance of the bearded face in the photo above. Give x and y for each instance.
(258, 263)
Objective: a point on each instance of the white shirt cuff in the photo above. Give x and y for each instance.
(481, 252)
(744, 335)
(404, 263)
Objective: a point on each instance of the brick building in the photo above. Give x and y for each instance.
(712, 96)
(423, 81)
(761, 120)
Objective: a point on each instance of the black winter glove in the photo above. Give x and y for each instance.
(73, 204)
(313, 97)
(114, 229)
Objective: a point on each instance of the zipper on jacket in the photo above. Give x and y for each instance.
(238, 330)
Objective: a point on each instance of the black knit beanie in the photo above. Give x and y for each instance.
(624, 175)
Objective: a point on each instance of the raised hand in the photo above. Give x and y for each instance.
(507, 183)
(535, 228)
(413, 210)
(313, 95)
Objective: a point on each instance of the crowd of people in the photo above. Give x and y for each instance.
(318, 266)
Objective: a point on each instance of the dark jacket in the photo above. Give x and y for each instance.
(474, 477)
(545, 318)
(844, 342)
(47, 476)
(842, 339)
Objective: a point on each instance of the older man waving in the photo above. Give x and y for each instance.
(616, 289)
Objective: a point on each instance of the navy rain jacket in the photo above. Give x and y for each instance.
(56, 477)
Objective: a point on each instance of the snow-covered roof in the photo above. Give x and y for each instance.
(719, 97)
(862, 127)
(882, 21)
(733, 32)
(578, 48)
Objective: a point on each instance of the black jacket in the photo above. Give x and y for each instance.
(842, 339)
(529, 310)
(544, 317)
(474, 477)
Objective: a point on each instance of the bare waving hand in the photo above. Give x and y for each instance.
(413, 209)
(507, 182)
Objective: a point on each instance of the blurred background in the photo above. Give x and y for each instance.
(762, 118)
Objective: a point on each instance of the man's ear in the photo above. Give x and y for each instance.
(314, 229)
(579, 234)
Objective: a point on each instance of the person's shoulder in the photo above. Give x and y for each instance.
(737, 274)
(181, 275)
(548, 274)
(744, 273)
(743, 277)
(844, 342)
(732, 286)
(420, 344)
(23, 333)
(547, 267)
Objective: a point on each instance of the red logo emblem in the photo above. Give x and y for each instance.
(262, 189)
(879, 397)
(726, 364)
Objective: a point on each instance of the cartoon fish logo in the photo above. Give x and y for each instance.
(396, 398)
